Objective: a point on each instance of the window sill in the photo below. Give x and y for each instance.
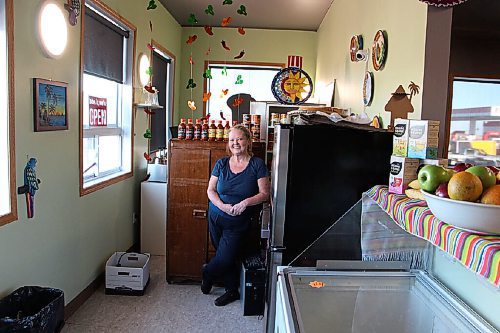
(97, 184)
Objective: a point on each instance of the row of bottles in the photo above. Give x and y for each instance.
(203, 132)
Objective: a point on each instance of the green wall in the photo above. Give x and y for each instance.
(271, 46)
(68, 241)
(404, 21)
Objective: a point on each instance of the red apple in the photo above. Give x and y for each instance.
(442, 190)
(459, 167)
(493, 169)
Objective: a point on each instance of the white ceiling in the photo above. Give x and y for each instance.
(264, 14)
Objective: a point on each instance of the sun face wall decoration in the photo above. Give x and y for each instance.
(292, 85)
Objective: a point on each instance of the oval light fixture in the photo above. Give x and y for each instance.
(143, 69)
(52, 29)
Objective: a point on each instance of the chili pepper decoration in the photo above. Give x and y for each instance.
(191, 84)
(210, 10)
(208, 51)
(242, 10)
(147, 157)
(207, 74)
(224, 45)
(208, 30)
(151, 47)
(225, 21)
(224, 93)
(222, 115)
(206, 96)
(241, 31)
(149, 89)
(239, 56)
(151, 5)
(192, 19)
(317, 284)
(191, 39)
(237, 102)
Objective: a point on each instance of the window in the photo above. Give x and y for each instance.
(8, 204)
(106, 145)
(257, 79)
(475, 122)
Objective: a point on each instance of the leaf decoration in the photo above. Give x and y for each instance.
(239, 56)
(241, 31)
(147, 134)
(191, 39)
(207, 74)
(242, 10)
(226, 21)
(191, 84)
(192, 19)
(227, 2)
(206, 96)
(149, 71)
(208, 30)
(152, 5)
(191, 105)
(210, 10)
(224, 45)
(239, 79)
(224, 71)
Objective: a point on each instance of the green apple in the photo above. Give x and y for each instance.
(487, 177)
(430, 176)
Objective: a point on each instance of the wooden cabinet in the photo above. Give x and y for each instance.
(189, 166)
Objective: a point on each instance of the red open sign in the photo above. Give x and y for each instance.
(98, 111)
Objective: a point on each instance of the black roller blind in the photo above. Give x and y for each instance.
(158, 119)
(103, 47)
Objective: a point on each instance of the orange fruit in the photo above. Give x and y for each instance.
(465, 186)
(491, 196)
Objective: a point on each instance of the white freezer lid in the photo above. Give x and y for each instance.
(353, 301)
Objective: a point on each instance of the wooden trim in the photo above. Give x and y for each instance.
(239, 63)
(109, 11)
(162, 49)
(9, 16)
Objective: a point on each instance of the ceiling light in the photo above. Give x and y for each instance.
(52, 29)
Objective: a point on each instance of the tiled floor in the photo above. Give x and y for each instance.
(164, 308)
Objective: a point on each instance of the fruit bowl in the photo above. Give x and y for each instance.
(471, 216)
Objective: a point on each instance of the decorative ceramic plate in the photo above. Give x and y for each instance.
(355, 46)
(368, 88)
(379, 50)
(292, 85)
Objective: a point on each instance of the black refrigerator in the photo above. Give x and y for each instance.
(318, 173)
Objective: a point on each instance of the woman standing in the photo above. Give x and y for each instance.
(238, 186)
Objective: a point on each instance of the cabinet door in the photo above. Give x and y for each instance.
(187, 207)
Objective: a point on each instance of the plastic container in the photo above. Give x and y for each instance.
(32, 309)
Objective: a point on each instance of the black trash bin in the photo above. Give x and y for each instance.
(32, 309)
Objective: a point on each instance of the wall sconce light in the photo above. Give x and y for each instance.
(52, 29)
(144, 69)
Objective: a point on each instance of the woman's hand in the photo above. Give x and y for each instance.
(227, 208)
(239, 208)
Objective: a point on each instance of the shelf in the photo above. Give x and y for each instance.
(476, 252)
(149, 106)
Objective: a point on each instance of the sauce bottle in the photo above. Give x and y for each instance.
(181, 132)
(204, 130)
(189, 129)
(197, 130)
(226, 131)
(211, 131)
(219, 133)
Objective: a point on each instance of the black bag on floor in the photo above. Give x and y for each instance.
(32, 309)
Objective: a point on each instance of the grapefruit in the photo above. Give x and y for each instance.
(465, 186)
(491, 196)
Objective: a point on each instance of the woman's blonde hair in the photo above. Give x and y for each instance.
(246, 134)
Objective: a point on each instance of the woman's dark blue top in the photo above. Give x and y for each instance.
(235, 187)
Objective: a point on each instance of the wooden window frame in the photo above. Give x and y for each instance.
(133, 30)
(9, 27)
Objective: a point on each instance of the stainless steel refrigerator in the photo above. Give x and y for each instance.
(318, 173)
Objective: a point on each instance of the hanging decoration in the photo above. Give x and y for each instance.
(191, 39)
(147, 157)
(206, 96)
(224, 93)
(30, 186)
(224, 71)
(242, 10)
(191, 84)
(207, 74)
(151, 5)
(292, 85)
(191, 62)
(208, 30)
(240, 55)
(192, 19)
(147, 134)
(210, 10)
(191, 105)
(221, 114)
(226, 21)
(73, 8)
(237, 101)
(208, 51)
(239, 79)
(148, 111)
(443, 3)
(224, 45)
(241, 31)
(227, 2)
(151, 47)
(379, 50)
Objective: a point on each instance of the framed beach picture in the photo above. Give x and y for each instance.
(50, 105)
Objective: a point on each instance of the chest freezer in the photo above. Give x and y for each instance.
(359, 301)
